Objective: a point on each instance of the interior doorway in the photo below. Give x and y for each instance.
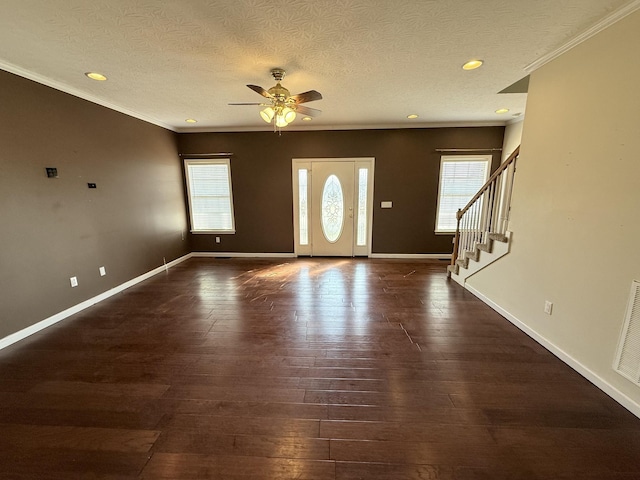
(333, 206)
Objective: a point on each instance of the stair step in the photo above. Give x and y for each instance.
(464, 257)
(499, 237)
(462, 262)
(475, 255)
(485, 247)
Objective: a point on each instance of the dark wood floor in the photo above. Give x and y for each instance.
(307, 369)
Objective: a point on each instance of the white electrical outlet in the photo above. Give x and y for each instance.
(217, 239)
(103, 271)
(548, 307)
(74, 281)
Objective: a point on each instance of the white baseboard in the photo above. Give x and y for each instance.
(414, 256)
(47, 322)
(242, 255)
(594, 378)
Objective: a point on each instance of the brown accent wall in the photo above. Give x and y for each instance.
(52, 229)
(406, 173)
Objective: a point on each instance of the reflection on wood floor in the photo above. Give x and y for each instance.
(307, 369)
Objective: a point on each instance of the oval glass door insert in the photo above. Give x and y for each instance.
(332, 207)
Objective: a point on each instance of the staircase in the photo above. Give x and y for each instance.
(481, 233)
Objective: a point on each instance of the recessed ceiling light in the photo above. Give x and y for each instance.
(306, 119)
(500, 111)
(191, 120)
(412, 116)
(472, 64)
(96, 76)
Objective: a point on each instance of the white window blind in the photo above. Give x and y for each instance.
(210, 197)
(460, 179)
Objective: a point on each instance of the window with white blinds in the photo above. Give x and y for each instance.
(460, 179)
(210, 197)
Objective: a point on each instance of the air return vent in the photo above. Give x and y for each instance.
(628, 356)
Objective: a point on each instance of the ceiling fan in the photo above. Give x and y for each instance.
(281, 107)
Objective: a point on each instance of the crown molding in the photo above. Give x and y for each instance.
(515, 120)
(62, 87)
(307, 128)
(603, 24)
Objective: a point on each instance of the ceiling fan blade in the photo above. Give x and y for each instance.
(309, 96)
(260, 91)
(312, 112)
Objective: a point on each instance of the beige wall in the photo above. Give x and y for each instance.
(512, 138)
(575, 215)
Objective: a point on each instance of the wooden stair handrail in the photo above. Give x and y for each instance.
(495, 175)
(483, 189)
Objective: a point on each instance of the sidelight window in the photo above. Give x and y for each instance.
(361, 226)
(303, 206)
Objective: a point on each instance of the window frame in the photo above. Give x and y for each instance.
(209, 161)
(486, 159)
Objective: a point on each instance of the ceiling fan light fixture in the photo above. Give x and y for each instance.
(500, 111)
(267, 114)
(281, 108)
(281, 121)
(412, 116)
(289, 114)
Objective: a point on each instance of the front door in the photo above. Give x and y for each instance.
(332, 209)
(333, 206)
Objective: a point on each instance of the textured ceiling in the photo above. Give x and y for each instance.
(374, 61)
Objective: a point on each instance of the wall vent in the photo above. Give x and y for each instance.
(627, 361)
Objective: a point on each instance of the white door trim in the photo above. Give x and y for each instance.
(306, 164)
